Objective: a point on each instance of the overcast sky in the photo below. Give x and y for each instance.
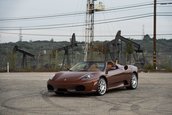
(138, 19)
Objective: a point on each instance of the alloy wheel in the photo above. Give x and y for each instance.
(102, 86)
(134, 82)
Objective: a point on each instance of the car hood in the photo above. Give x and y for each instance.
(71, 76)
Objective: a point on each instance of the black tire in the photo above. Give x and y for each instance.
(133, 82)
(102, 87)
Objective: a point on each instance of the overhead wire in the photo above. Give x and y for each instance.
(73, 14)
(81, 13)
(62, 35)
(51, 26)
(79, 24)
(40, 17)
(64, 24)
(68, 25)
(128, 7)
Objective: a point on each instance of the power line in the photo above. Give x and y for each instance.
(82, 24)
(61, 24)
(68, 24)
(129, 7)
(60, 35)
(40, 17)
(79, 13)
(76, 24)
(165, 3)
(127, 18)
(74, 14)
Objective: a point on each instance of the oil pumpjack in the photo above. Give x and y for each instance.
(24, 58)
(115, 49)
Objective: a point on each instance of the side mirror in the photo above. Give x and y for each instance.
(125, 67)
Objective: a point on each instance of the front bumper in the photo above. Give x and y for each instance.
(83, 87)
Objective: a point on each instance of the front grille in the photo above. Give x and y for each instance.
(50, 88)
(80, 88)
(62, 90)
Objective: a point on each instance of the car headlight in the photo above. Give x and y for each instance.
(86, 77)
(51, 78)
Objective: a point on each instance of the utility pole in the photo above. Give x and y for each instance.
(89, 30)
(154, 36)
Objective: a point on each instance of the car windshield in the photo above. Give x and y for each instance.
(88, 66)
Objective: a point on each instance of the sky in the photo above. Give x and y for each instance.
(59, 19)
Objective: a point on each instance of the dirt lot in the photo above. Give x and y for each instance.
(26, 94)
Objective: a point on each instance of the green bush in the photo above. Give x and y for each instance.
(148, 67)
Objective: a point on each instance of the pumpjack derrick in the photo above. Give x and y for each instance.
(24, 58)
(116, 50)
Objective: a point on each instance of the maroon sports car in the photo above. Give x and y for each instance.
(91, 76)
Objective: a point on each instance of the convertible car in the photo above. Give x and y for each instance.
(91, 76)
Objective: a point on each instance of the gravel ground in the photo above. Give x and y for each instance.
(26, 94)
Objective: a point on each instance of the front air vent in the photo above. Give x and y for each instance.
(80, 88)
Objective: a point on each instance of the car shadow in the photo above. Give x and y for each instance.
(116, 90)
(85, 95)
(80, 95)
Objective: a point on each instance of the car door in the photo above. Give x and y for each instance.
(117, 77)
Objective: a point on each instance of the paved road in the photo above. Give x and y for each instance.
(26, 94)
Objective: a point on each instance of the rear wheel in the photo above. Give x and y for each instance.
(133, 82)
(102, 86)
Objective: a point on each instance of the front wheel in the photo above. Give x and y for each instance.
(133, 82)
(102, 86)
